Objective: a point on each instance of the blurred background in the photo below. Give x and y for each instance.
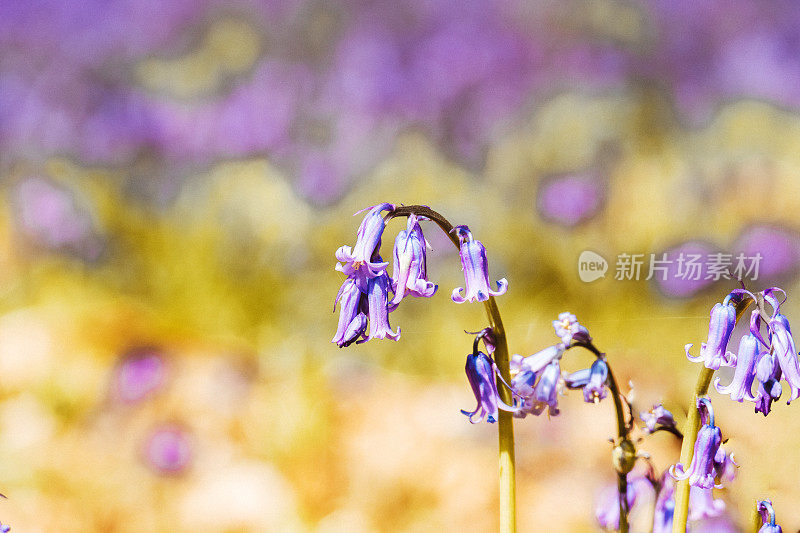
(177, 175)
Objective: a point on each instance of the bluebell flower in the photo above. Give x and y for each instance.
(568, 328)
(4, 528)
(767, 513)
(352, 319)
(481, 371)
(780, 336)
(409, 269)
(713, 353)
(657, 417)
(476, 270)
(741, 386)
(768, 373)
(592, 380)
(378, 303)
(725, 467)
(665, 506)
(360, 257)
(607, 510)
(702, 504)
(701, 471)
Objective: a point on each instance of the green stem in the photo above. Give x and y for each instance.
(505, 426)
(687, 450)
(755, 519)
(622, 434)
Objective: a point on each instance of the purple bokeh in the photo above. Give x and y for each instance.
(168, 449)
(570, 199)
(672, 282)
(779, 247)
(139, 375)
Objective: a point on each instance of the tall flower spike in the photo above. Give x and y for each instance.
(378, 300)
(360, 257)
(701, 471)
(409, 271)
(786, 352)
(767, 513)
(741, 386)
(476, 270)
(714, 353)
(481, 372)
(352, 320)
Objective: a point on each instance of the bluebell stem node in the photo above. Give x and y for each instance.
(476, 270)
(487, 336)
(623, 456)
(568, 328)
(767, 513)
(640, 488)
(713, 353)
(740, 387)
(701, 471)
(657, 418)
(481, 371)
(409, 268)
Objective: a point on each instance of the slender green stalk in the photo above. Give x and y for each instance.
(687, 450)
(755, 519)
(505, 426)
(624, 445)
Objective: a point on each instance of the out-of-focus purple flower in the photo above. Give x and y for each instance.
(568, 328)
(701, 471)
(686, 274)
(702, 504)
(361, 256)
(714, 353)
(741, 386)
(168, 449)
(476, 270)
(481, 372)
(778, 247)
(409, 269)
(767, 513)
(607, 510)
(571, 199)
(352, 319)
(378, 302)
(138, 375)
(665, 506)
(783, 346)
(4, 528)
(656, 417)
(768, 373)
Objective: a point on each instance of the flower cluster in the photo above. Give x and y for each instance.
(760, 358)
(368, 294)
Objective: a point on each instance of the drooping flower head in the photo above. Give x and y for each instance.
(767, 513)
(658, 418)
(701, 471)
(360, 258)
(378, 302)
(592, 380)
(713, 353)
(409, 269)
(481, 371)
(352, 318)
(740, 387)
(768, 373)
(536, 379)
(476, 270)
(783, 347)
(568, 328)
